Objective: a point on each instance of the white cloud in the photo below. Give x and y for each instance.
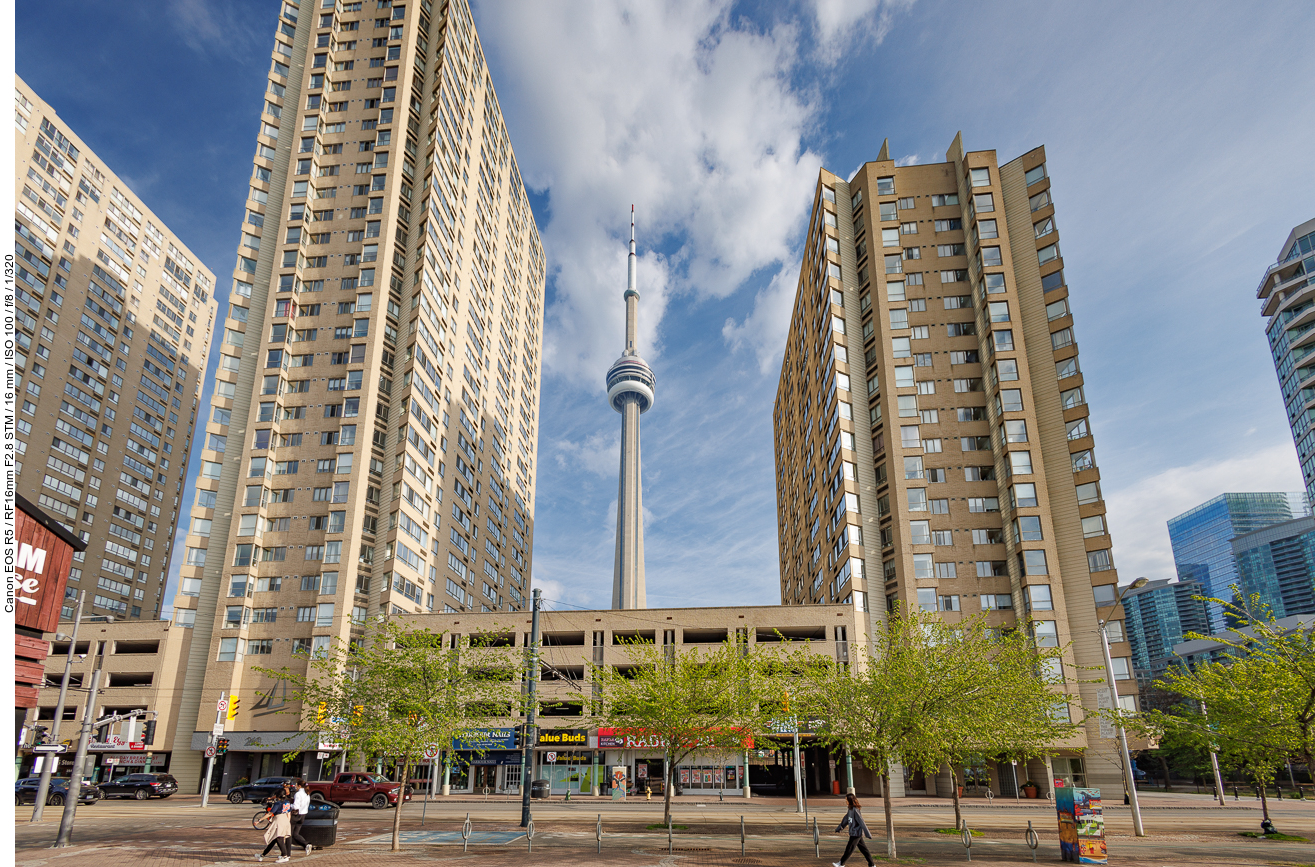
(765, 328)
(599, 453)
(841, 24)
(1138, 514)
(680, 108)
(910, 160)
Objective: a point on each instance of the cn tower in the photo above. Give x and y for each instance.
(630, 392)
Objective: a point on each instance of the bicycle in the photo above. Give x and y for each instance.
(261, 820)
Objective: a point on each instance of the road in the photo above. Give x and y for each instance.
(1184, 830)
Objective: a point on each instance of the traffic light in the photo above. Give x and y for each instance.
(320, 714)
(221, 746)
(41, 735)
(103, 733)
(232, 707)
(148, 734)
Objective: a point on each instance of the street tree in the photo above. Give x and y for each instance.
(399, 690)
(926, 693)
(700, 700)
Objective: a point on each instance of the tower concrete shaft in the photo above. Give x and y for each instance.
(630, 392)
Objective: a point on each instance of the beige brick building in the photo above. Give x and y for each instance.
(113, 323)
(142, 669)
(379, 369)
(931, 433)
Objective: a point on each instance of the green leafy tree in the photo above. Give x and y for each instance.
(699, 700)
(400, 690)
(929, 693)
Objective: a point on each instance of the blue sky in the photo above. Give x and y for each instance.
(1178, 139)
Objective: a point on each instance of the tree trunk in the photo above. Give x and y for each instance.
(954, 791)
(890, 818)
(1164, 765)
(1264, 799)
(397, 812)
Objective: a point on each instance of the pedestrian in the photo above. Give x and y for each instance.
(300, 807)
(858, 829)
(280, 827)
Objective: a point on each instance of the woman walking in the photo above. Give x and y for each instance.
(858, 829)
(280, 827)
(300, 807)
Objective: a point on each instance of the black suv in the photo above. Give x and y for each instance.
(25, 792)
(140, 786)
(259, 790)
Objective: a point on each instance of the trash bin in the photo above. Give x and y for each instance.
(320, 827)
(540, 789)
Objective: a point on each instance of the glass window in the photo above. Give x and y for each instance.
(1020, 463)
(1093, 526)
(1045, 633)
(1034, 175)
(1038, 598)
(1100, 561)
(999, 311)
(927, 598)
(1089, 493)
(890, 237)
(908, 405)
(917, 499)
(920, 532)
(980, 177)
(1033, 563)
(1122, 671)
(1104, 594)
(1006, 370)
(1011, 400)
(904, 377)
(988, 229)
(1027, 528)
(984, 203)
(1015, 431)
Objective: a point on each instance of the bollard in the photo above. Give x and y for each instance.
(1278, 791)
(1235, 793)
(598, 832)
(741, 836)
(465, 833)
(817, 841)
(1032, 840)
(529, 835)
(967, 836)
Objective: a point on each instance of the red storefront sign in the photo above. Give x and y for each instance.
(42, 559)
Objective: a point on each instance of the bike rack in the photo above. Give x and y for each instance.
(598, 833)
(529, 835)
(967, 836)
(1030, 837)
(465, 833)
(817, 841)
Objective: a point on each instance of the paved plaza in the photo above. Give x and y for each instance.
(1184, 830)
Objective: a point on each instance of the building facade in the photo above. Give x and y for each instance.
(1287, 301)
(113, 315)
(1158, 616)
(931, 430)
(141, 669)
(1277, 564)
(1202, 539)
(379, 367)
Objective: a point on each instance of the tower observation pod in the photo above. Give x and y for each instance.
(630, 385)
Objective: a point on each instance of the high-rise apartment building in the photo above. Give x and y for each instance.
(1277, 563)
(379, 367)
(1287, 297)
(931, 430)
(1159, 615)
(1202, 539)
(112, 325)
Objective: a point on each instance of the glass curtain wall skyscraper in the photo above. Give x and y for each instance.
(380, 365)
(1202, 539)
(1287, 296)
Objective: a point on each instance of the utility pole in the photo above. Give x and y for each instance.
(84, 739)
(221, 710)
(1214, 766)
(1130, 780)
(532, 673)
(50, 760)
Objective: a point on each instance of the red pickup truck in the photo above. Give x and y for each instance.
(354, 787)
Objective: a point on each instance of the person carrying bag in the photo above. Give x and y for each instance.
(280, 828)
(858, 829)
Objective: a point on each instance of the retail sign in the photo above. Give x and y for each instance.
(639, 740)
(1081, 826)
(487, 739)
(41, 565)
(136, 760)
(563, 738)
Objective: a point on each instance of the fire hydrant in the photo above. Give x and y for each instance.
(648, 793)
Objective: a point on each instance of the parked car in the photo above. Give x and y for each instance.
(140, 786)
(259, 790)
(25, 792)
(360, 788)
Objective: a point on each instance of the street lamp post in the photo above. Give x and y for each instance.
(1128, 778)
(51, 759)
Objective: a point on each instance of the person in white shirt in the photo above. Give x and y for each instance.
(300, 807)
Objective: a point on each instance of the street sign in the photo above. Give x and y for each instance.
(551, 757)
(210, 751)
(431, 752)
(50, 748)
(218, 729)
(222, 705)
(321, 756)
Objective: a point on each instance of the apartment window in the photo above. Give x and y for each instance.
(923, 567)
(1114, 628)
(1033, 563)
(1082, 460)
(995, 601)
(230, 649)
(890, 237)
(920, 532)
(1006, 370)
(886, 186)
(905, 229)
(1020, 463)
(1023, 495)
(894, 264)
(1048, 253)
(1104, 595)
(984, 203)
(1011, 400)
(901, 347)
(983, 504)
(908, 405)
(895, 290)
(994, 283)
(1015, 431)
(943, 538)
(917, 499)
(927, 598)
(992, 569)
(909, 438)
(1077, 429)
(940, 506)
(324, 614)
(980, 177)
(979, 474)
(1032, 176)
(945, 570)
(999, 311)
(1038, 598)
(949, 603)
(991, 257)
(1099, 561)
(1027, 528)
(1093, 526)
(1057, 309)
(1045, 633)
(899, 318)
(1121, 669)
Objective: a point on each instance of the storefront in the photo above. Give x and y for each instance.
(487, 759)
(645, 763)
(563, 757)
